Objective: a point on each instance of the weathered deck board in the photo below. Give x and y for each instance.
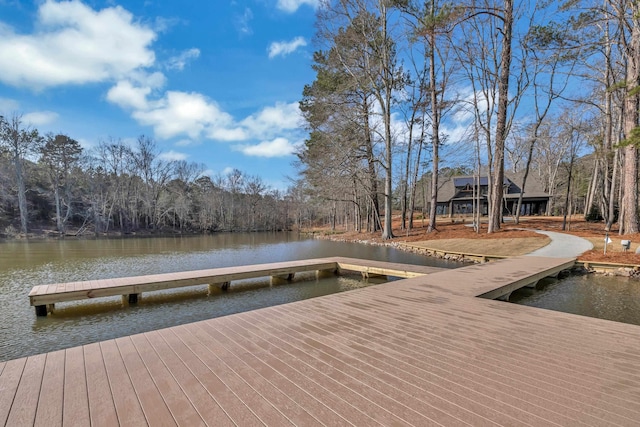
(10, 380)
(225, 396)
(49, 411)
(204, 404)
(389, 371)
(129, 411)
(382, 382)
(102, 408)
(505, 275)
(469, 372)
(175, 398)
(433, 388)
(265, 386)
(153, 406)
(420, 351)
(28, 392)
(75, 409)
(314, 389)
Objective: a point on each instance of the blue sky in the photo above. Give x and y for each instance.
(213, 82)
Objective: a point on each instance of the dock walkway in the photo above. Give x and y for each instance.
(421, 351)
(44, 297)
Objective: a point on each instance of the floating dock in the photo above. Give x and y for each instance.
(420, 351)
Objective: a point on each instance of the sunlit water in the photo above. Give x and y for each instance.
(604, 297)
(26, 264)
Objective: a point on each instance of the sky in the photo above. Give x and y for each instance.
(213, 82)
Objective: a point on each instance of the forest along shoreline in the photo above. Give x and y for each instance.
(455, 235)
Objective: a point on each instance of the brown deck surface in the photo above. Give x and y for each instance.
(498, 277)
(403, 353)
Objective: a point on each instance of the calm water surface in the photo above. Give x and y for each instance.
(604, 297)
(26, 264)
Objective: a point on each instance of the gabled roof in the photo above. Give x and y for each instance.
(449, 186)
(463, 181)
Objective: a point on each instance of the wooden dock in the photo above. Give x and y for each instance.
(472, 280)
(44, 297)
(421, 351)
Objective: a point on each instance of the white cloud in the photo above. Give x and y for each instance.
(173, 155)
(74, 44)
(285, 48)
(224, 134)
(227, 170)
(86, 144)
(291, 6)
(40, 118)
(195, 116)
(163, 25)
(7, 106)
(465, 113)
(127, 96)
(242, 22)
(456, 133)
(272, 120)
(182, 113)
(185, 143)
(279, 147)
(153, 80)
(180, 61)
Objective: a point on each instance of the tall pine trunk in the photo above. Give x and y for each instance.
(435, 125)
(629, 223)
(495, 214)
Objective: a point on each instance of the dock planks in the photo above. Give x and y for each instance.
(420, 351)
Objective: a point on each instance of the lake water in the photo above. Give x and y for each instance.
(26, 264)
(604, 297)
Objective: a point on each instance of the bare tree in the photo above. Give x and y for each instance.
(60, 154)
(434, 20)
(20, 141)
(254, 188)
(340, 152)
(573, 133)
(362, 29)
(485, 52)
(155, 173)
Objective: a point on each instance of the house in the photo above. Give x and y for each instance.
(456, 195)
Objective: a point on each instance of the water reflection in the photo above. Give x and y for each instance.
(604, 297)
(25, 264)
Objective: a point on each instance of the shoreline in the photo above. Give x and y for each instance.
(581, 267)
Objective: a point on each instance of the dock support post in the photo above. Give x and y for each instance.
(321, 274)
(224, 286)
(367, 275)
(43, 310)
(504, 297)
(130, 299)
(283, 278)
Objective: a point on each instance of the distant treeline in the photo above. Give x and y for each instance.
(51, 183)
